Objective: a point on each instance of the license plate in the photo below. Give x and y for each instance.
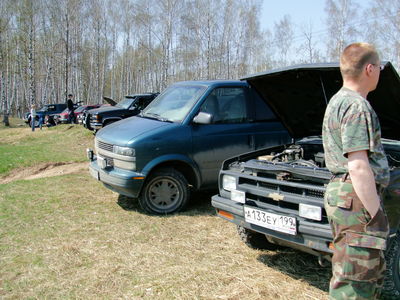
(271, 221)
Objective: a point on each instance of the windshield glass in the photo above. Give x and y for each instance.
(80, 109)
(125, 103)
(44, 108)
(174, 103)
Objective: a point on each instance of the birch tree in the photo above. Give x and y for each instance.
(342, 28)
(4, 24)
(283, 39)
(383, 28)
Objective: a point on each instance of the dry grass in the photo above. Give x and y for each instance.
(67, 237)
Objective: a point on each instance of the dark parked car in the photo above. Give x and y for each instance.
(177, 144)
(275, 196)
(131, 105)
(46, 110)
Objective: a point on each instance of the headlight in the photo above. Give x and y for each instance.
(228, 182)
(310, 211)
(238, 196)
(124, 151)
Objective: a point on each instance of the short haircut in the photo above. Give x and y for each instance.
(355, 57)
(70, 95)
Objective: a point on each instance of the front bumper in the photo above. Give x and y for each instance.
(123, 182)
(96, 125)
(63, 120)
(310, 235)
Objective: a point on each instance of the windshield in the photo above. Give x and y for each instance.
(80, 109)
(174, 103)
(125, 103)
(44, 108)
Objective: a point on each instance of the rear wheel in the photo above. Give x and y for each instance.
(391, 285)
(254, 239)
(166, 191)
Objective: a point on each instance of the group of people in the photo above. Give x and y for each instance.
(71, 114)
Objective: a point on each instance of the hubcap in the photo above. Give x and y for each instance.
(164, 193)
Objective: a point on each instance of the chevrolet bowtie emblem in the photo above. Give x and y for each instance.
(276, 196)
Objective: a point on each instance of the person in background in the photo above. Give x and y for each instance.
(41, 121)
(353, 149)
(33, 116)
(70, 105)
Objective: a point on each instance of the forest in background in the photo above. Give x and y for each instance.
(96, 48)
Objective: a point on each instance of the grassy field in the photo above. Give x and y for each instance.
(68, 237)
(20, 147)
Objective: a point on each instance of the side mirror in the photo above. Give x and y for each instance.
(203, 118)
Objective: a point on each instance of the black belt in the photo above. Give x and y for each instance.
(341, 176)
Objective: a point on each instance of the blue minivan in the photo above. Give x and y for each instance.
(177, 144)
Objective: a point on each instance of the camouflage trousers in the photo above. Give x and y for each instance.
(358, 262)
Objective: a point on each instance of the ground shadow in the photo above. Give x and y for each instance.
(298, 265)
(129, 204)
(199, 204)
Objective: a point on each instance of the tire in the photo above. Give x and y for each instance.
(255, 240)
(166, 191)
(86, 122)
(391, 285)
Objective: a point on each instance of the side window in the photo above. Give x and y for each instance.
(51, 108)
(143, 102)
(262, 111)
(137, 104)
(226, 105)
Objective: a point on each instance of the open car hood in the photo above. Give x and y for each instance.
(110, 101)
(299, 95)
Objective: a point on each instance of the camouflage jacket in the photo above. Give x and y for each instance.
(350, 124)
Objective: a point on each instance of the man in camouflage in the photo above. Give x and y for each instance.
(354, 154)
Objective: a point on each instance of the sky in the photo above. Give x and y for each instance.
(300, 11)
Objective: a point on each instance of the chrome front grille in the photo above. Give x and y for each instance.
(104, 146)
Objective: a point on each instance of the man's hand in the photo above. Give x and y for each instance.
(363, 181)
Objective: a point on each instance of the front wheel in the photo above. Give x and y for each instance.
(391, 285)
(166, 191)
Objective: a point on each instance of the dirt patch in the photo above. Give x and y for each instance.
(44, 170)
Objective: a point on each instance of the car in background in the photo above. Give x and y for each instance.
(63, 116)
(82, 118)
(130, 106)
(45, 110)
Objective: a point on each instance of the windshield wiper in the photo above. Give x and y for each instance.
(155, 117)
